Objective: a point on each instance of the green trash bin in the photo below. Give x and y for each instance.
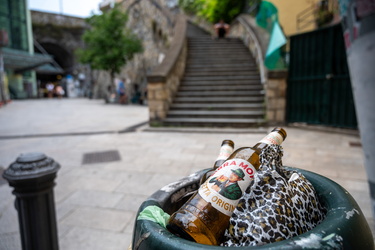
(344, 227)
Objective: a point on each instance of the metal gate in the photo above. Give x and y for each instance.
(319, 88)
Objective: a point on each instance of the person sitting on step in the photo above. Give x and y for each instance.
(221, 29)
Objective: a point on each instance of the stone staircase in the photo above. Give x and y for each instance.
(221, 86)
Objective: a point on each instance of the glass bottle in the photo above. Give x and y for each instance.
(205, 216)
(226, 149)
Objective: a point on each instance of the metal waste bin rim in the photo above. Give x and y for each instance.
(344, 226)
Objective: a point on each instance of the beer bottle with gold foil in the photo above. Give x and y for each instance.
(205, 216)
(226, 149)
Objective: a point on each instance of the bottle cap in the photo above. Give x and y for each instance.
(229, 142)
(281, 130)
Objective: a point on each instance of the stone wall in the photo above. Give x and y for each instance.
(45, 18)
(274, 82)
(276, 97)
(164, 80)
(254, 38)
(154, 24)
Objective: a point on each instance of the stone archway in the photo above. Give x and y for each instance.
(62, 57)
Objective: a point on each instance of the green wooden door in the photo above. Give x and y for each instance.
(319, 87)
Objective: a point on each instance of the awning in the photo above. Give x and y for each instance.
(49, 69)
(21, 61)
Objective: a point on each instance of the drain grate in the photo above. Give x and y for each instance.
(99, 157)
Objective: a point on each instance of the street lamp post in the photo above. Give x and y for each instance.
(61, 7)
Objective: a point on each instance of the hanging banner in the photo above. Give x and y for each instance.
(267, 18)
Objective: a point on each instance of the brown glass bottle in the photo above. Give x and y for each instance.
(205, 216)
(226, 149)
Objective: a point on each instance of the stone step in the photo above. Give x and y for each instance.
(221, 78)
(222, 68)
(219, 56)
(217, 106)
(202, 41)
(225, 87)
(237, 93)
(222, 56)
(212, 39)
(249, 73)
(217, 113)
(220, 99)
(219, 50)
(212, 61)
(234, 49)
(213, 122)
(214, 82)
(203, 49)
(203, 67)
(219, 53)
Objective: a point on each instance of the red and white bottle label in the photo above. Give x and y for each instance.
(273, 138)
(225, 152)
(225, 187)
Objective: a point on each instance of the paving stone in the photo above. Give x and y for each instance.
(9, 220)
(6, 196)
(10, 241)
(93, 239)
(99, 218)
(131, 202)
(92, 198)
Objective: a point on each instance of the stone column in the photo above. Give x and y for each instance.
(275, 88)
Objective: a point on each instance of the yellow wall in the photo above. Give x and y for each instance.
(288, 11)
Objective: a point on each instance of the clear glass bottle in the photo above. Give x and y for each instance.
(205, 216)
(226, 149)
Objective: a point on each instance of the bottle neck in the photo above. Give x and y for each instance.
(272, 138)
(225, 151)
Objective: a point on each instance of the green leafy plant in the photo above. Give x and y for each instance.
(214, 10)
(108, 44)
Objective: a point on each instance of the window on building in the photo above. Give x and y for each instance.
(13, 18)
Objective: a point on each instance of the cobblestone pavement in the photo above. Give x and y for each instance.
(97, 198)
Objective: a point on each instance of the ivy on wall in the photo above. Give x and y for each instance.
(214, 10)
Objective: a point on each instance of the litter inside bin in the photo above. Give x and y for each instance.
(278, 205)
(155, 214)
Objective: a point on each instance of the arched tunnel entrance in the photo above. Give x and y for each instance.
(55, 72)
(62, 57)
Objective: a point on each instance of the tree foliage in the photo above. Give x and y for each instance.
(108, 44)
(214, 10)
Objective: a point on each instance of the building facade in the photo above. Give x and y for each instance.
(301, 16)
(20, 61)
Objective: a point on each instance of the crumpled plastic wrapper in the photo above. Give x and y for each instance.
(155, 214)
(278, 205)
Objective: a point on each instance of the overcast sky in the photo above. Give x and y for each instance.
(79, 8)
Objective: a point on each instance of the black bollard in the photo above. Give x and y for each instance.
(32, 177)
